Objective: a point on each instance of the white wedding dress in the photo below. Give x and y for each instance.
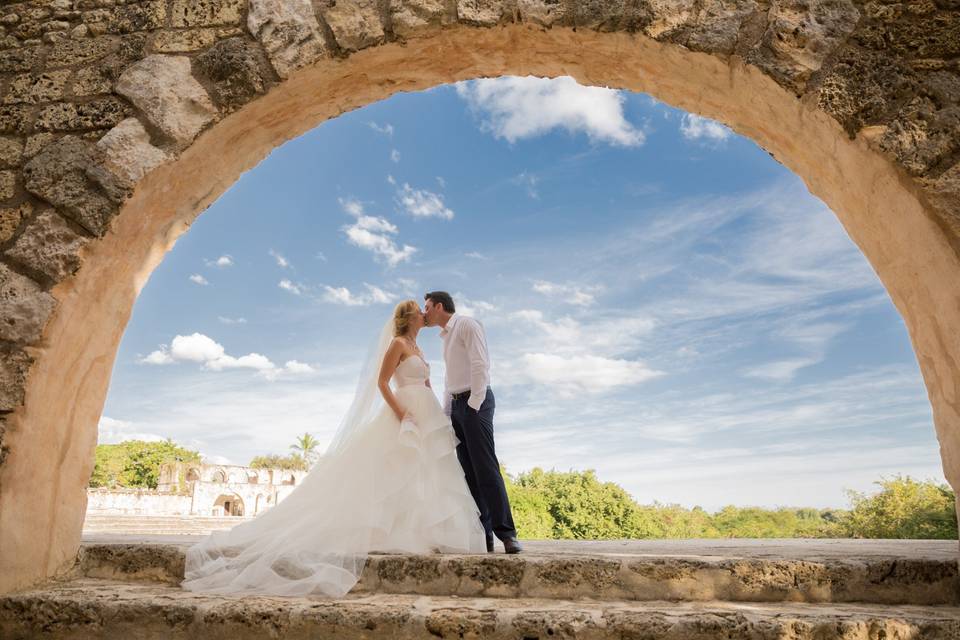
(383, 486)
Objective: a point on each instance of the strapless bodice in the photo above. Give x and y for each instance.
(411, 370)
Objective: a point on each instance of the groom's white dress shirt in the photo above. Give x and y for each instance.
(467, 360)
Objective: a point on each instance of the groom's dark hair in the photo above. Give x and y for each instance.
(443, 299)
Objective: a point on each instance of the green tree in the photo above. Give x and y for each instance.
(293, 462)
(136, 463)
(903, 508)
(306, 446)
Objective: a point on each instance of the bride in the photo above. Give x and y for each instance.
(390, 481)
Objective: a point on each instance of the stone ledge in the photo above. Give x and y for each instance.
(102, 609)
(891, 580)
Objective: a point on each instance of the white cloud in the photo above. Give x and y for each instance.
(282, 262)
(321, 256)
(421, 203)
(781, 371)
(570, 293)
(160, 356)
(226, 320)
(386, 129)
(515, 108)
(221, 262)
(206, 351)
(441, 182)
(470, 307)
(476, 255)
(287, 285)
(586, 373)
(199, 279)
(113, 431)
(373, 234)
(694, 127)
(395, 155)
(343, 295)
(391, 179)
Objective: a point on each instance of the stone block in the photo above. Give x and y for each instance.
(10, 219)
(58, 174)
(37, 142)
(14, 366)
(800, 34)
(14, 118)
(545, 13)
(136, 16)
(202, 13)
(163, 87)
(33, 88)
(127, 154)
(70, 116)
(24, 307)
(91, 81)
(356, 24)
(8, 184)
(484, 13)
(288, 31)
(612, 15)
(236, 69)
(49, 245)
(181, 41)
(74, 52)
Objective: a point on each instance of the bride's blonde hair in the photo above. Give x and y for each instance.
(401, 316)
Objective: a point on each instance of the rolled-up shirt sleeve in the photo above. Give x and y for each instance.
(476, 344)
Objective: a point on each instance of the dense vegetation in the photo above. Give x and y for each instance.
(136, 463)
(576, 505)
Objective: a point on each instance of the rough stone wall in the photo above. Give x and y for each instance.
(94, 94)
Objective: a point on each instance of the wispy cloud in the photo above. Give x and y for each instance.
(221, 262)
(516, 108)
(386, 128)
(281, 261)
(421, 203)
(199, 279)
(343, 296)
(375, 234)
(295, 289)
(694, 127)
(394, 155)
(570, 293)
(528, 182)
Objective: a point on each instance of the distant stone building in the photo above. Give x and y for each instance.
(190, 488)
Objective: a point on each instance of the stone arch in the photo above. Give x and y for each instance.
(218, 475)
(109, 119)
(253, 477)
(230, 503)
(193, 474)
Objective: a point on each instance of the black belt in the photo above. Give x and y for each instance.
(463, 395)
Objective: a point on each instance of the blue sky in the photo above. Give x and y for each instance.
(664, 302)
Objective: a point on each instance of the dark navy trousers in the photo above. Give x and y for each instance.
(476, 452)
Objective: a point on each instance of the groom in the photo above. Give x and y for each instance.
(468, 400)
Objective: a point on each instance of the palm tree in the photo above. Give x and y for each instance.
(306, 446)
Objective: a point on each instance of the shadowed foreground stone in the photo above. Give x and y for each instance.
(881, 579)
(101, 609)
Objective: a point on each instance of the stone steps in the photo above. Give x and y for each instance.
(157, 525)
(104, 609)
(540, 573)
